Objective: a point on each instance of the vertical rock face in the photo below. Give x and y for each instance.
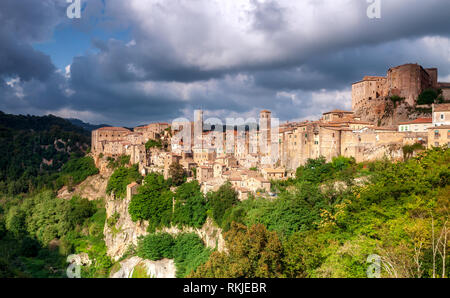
(121, 232)
(164, 268)
(209, 233)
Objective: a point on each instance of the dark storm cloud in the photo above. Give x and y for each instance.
(22, 22)
(19, 59)
(296, 58)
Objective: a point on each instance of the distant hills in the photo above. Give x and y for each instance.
(86, 126)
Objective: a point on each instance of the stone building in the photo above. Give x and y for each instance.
(102, 136)
(439, 136)
(204, 173)
(441, 114)
(418, 125)
(152, 131)
(372, 97)
(407, 81)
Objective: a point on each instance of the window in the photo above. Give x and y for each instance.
(442, 116)
(436, 144)
(316, 142)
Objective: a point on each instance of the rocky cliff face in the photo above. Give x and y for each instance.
(384, 112)
(121, 232)
(390, 151)
(128, 268)
(209, 233)
(93, 188)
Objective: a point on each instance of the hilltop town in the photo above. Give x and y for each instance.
(388, 114)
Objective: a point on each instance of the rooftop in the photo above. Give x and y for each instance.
(443, 107)
(440, 127)
(338, 111)
(419, 121)
(110, 128)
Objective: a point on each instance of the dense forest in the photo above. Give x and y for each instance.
(39, 155)
(33, 150)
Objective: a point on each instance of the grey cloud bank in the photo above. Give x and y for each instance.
(296, 58)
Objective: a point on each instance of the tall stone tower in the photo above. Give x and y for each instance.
(198, 128)
(265, 124)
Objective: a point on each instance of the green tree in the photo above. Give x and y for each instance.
(156, 246)
(429, 96)
(153, 202)
(122, 176)
(222, 200)
(252, 253)
(315, 170)
(177, 174)
(190, 206)
(189, 252)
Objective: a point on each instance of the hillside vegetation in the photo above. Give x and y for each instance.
(33, 150)
(316, 229)
(38, 155)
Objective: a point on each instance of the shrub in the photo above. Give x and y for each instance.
(222, 200)
(119, 180)
(153, 144)
(156, 246)
(189, 252)
(428, 96)
(190, 206)
(396, 99)
(153, 203)
(120, 161)
(177, 174)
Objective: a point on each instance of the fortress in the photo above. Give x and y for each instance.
(408, 81)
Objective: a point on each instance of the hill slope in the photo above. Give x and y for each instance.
(32, 148)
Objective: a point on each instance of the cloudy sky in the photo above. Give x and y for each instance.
(138, 61)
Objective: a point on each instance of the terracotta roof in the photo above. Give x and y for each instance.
(274, 170)
(419, 120)
(338, 111)
(443, 107)
(384, 128)
(265, 111)
(114, 128)
(132, 184)
(440, 127)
